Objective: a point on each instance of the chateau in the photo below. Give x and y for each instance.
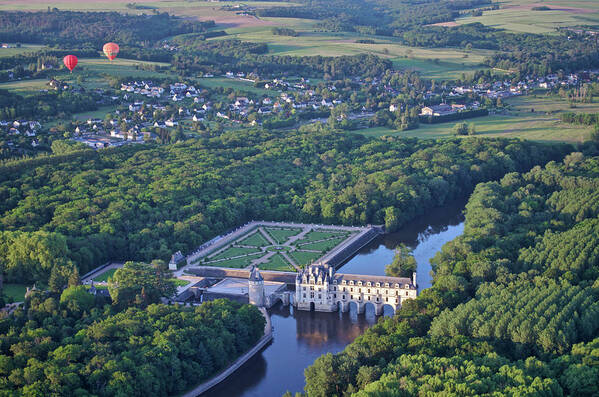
(319, 288)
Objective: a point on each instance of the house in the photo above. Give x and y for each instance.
(393, 107)
(267, 101)
(437, 110)
(171, 123)
(196, 118)
(176, 260)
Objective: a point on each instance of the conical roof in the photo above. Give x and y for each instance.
(255, 274)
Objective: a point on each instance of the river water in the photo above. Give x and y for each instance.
(300, 337)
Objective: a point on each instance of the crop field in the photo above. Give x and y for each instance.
(542, 124)
(518, 15)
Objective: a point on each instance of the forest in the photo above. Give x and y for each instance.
(146, 202)
(513, 307)
(74, 345)
(91, 29)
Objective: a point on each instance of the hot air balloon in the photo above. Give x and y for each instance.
(111, 50)
(70, 61)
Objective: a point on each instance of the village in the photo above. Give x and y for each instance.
(146, 111)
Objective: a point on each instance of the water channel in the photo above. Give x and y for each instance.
(300, 337)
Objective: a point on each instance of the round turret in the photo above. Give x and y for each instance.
(256, 288)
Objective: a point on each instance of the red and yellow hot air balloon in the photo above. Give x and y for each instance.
(111, 50)
(70, 61)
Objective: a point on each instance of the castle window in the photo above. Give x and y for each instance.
(312, 295)
(311, 288)
(369, 298)
(396, 300)
(304, 295)
(351, 290)
(334, 295)
(334, 288)
(378, 299)
(406, 293)
(368, 290)
(343, 296)
(319, 296)
(386, 299)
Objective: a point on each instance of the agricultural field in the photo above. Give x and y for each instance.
(520, 121)
(518, 15)
(285, 247)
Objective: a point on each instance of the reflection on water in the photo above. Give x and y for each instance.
(425, 235)
(300, 337)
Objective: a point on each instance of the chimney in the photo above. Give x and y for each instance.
(330, 272)
(414, 279)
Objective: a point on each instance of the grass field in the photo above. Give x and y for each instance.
(235, 84)
(255, 239)
(277, 262)
(517, 15)
(541, 125)
(104, 276)
(281, 235)
(16, 292)
(9, 52)
(304, 258)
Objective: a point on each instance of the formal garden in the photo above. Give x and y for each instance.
(283, 248)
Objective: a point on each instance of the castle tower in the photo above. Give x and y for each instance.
(256, 288)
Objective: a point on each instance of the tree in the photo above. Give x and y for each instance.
(403, 264)
(77, 298)
(139, 284)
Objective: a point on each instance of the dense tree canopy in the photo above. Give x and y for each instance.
(143, 203)
(74, 346)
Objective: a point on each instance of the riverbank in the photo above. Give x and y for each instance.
(221, 376)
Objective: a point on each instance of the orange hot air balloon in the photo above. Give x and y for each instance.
(111, 50)
(70, 61)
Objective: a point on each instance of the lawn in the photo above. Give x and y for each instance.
(281, 235)
(316, 235)
(255, 239)
(322, 246)
(232, 252)
(277, 262)
(242, 262)
(179, 282)
(16, 292)
(304, 258)
(103, 277)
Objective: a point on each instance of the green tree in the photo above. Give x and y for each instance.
(403, 264)
(139, 284)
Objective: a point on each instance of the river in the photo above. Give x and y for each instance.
(300, 337)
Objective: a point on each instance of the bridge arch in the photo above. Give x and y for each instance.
(388, 310)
